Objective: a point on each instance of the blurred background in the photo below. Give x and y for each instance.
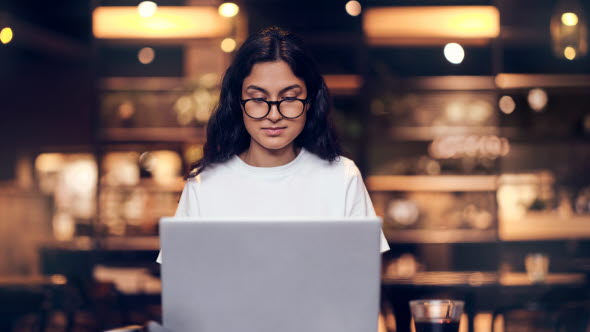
(470, 121)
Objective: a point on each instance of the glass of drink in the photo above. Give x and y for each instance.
(436, 315)
(537, 266)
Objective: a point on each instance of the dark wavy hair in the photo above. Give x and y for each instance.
(226, 132)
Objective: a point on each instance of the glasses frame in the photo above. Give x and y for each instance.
(270, 103)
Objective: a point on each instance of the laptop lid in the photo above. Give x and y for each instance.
(270, 275)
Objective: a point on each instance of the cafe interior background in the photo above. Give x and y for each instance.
(470, 121)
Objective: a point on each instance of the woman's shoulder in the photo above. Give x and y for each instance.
(342, 165)
(211, 171)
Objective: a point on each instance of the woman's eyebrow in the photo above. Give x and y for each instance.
(254, 87)
(290, 87)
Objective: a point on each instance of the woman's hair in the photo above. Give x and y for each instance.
(226, 132)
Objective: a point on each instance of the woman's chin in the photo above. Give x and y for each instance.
(274, 143)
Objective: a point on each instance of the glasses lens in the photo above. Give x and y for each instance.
(291, 108)
(256, 108)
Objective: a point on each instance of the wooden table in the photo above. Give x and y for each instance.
(479, 290)
(31, 294)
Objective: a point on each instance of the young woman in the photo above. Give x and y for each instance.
(271, 149)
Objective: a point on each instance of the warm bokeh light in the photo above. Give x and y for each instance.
(146, 55)
(537, 99)
(569, 33)
(184, 103)
(147, 8)
(70, 174)
(6, 35)
(479, 111)
(518, 191)
(430, 24)
(569, 53)
(569, 19)
(454, 53)
(80, 176)
(76, 186)
(58, 279)
(353, 8)
(461, 146)
(461, 112)
(126, 110)
(228, 45)
(507, 104)
(167, 22)
(64, 226)
(183, 107)
(228, 9)
(166, 166)
(49, 162)
(402, 211)
(120, 168)
(204, 101)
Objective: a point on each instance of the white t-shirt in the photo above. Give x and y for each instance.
(308, 186)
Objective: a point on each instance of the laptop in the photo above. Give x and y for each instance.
(287, 275)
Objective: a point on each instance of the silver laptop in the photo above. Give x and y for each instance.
(287, 275)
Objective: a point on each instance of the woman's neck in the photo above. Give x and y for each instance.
(259, 156)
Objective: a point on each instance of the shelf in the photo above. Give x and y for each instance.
(427, 134)
(502, 81)
(445, 183)
(545, 226)
(440, 236)
(115, 243)
(153, 135)
(480, 278)
(154, 84)
(131, 243)
(343, 85)
(348, 84)
(524, 81)
(149, 185)
(449, 83)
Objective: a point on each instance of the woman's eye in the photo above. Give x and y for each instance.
(259, 100)
(289, 98)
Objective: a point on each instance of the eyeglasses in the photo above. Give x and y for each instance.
(258, 108)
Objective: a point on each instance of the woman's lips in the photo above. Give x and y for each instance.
(274, 131)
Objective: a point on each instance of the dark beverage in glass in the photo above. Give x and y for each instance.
(436, 315)
(445, 325)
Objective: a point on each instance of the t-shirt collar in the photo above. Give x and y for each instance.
(237, 163)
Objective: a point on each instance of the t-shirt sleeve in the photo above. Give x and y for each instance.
(188, 205)
(358, 201)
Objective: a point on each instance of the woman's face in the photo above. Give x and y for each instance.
(273, 81)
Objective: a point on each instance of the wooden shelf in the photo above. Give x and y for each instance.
(446, 183)
(440, 236)
(157, 135)
(154, 84)
(149, 185)
(131, 243)
(115, 243)
(524, 81)
(544, 226)
(449, 83)
(426, 134)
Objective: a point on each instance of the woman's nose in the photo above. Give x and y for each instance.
(274, 114)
